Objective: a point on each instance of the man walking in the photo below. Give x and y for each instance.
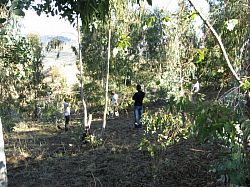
(138, 105)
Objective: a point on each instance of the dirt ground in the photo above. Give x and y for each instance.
(41, 155)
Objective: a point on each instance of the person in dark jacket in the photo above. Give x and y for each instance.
(138, 105)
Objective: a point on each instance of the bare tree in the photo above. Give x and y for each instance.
(107, 84)
(3, 168)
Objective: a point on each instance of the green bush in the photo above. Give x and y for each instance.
(161, 130)
(216, 121)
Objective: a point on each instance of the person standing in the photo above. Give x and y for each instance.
(138, 105)
(114, 102)
(66, 114)
(195, 89)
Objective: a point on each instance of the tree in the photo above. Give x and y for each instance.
(89, 10)
(3, 168)
(225, 44)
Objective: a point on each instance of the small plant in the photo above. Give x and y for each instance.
(233, 170)
(162, 129)
(93, 140)
(215, 121)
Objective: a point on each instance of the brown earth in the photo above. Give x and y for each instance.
(41, 155)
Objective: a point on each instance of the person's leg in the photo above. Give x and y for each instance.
(140, 111)
(112, 113)
(136, 115)
(195, 99)
(113, 110)
(67, 122)
(116, 111)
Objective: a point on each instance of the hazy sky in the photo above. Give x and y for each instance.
(44, 25)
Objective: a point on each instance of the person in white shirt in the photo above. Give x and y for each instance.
(114, 102)
(66, 114)
(195, 89)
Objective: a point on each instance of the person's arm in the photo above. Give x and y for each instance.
(133, 97)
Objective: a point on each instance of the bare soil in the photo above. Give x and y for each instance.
(41, 155)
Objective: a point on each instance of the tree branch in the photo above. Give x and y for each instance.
(219, 41)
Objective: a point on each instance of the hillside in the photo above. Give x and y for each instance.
(61, 63)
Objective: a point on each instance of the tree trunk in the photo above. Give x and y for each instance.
(3, 168)
(83, 102)
(107, 84)
(247, 138)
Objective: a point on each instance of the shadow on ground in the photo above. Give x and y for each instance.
(53, 158)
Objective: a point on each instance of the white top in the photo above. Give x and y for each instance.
(67, 111)
(195, 87)
(114, 99)
(65, 105)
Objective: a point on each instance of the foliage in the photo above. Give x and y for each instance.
(167, 126)
(214, 120)
(21, 76)
(233, 169)
(229, 18)
(52, 111)
(162, 129)
(89, 10)
(10, 8)
(53, 44)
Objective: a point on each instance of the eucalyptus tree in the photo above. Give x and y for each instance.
(230, 21)
(164, 46)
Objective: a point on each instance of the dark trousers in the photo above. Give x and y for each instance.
(67, 118)
(138, 110)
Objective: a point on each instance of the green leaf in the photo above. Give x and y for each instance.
(201, 55)
(158, 82)
(150, 21)
(246, 85)
(2, 20)
(193, 16)
(19, 12)
(167, 18)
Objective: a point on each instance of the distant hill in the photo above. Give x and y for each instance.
(46, 38)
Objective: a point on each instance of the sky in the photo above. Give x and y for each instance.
(43, 25)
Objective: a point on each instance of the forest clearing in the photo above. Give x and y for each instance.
(47, 156)
(147, 96)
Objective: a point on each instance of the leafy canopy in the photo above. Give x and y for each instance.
(89, 10)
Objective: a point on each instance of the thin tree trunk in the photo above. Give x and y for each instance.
(247, 138)
(84, 105)
(102, 80)
(3, 168)
(107, 84)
